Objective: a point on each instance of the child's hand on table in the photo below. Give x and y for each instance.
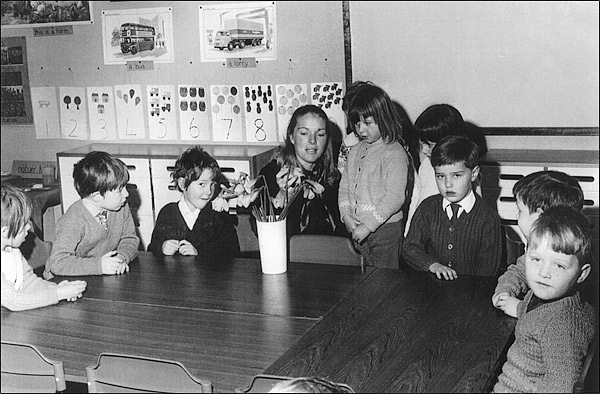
(441, 270)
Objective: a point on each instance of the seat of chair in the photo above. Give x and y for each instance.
(324, 249)
(129, 373)
(262, 384)
(26, 369)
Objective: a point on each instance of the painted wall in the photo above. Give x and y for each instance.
(502, 64)
(307, 34)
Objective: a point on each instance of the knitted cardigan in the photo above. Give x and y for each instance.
(33, 293)
(550, 343)
(81, 241)
(373, 185)
(212, 232)
(513, 280)
(472, 246)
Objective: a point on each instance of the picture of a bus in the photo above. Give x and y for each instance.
(135, 38)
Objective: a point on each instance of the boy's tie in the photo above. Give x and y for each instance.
(103, 219)
(455, 207)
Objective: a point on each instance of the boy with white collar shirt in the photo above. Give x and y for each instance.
(454, 232)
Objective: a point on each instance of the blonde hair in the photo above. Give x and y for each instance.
(16, 209)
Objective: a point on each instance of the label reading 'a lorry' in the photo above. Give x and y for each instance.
(241, 62)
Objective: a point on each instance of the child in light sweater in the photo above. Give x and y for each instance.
(21, 288)
(96, 236)
(555, 325)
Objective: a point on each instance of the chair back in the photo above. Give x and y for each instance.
(36, 251)
(582, 383)
(514, 249)
(119, 373)
(261, 384)
(324, 249)
(26, 370)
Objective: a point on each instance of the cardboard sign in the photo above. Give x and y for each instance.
(31, 169)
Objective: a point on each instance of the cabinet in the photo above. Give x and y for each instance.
(150, 186)
(502, 168)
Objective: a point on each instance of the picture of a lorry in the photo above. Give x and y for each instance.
(239, 33)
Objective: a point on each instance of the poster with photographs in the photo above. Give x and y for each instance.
(237, 30)
(16, 97)
(143, 34)
(193, 113)
(45, 13)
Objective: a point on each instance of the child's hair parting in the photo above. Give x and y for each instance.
(364, 100)
(567, 230)
(99, 172)
(286, 155)
(438, 121)
(310, 385)
(16, 209)
(192, 163)
(453, 149)
(545, 189)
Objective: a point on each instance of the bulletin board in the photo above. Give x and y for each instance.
(87, 96)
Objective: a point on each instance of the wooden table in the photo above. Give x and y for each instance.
(406, 332)
(224, 320)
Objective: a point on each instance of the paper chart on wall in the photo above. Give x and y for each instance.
(162, 124)
(226, 113)
(101, 111)
(45, 112)
(289, 98)
(328, 96)
(73, 116)
(193, 113)
(259, 110)
(130, 112)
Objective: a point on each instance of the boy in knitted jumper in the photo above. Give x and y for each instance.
(534, 194)
(454, 232)
(96, 236)
(555, 325)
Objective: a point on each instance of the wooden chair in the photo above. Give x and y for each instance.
(325, 249)
(262, 384)
(26, 369)
(118, 373)
(588, 383)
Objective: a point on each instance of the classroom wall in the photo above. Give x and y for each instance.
(308, 33)
(502, 64)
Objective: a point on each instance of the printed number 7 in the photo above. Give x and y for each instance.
(228, 127)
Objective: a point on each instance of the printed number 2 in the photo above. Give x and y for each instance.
(73, 132)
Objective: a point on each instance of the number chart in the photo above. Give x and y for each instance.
(289, 98)
(73, 117)
(226, 113)
(101, 111)
(328, 96)
(161, 112)
(130, 112)
(259, 109)
(45, 112)
(193, 113)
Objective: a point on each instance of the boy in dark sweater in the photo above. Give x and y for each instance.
(555, 326)
(454, 232)
(190, 226)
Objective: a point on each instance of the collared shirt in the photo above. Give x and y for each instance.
(94, 210)
(189, 216)
(466, 204)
